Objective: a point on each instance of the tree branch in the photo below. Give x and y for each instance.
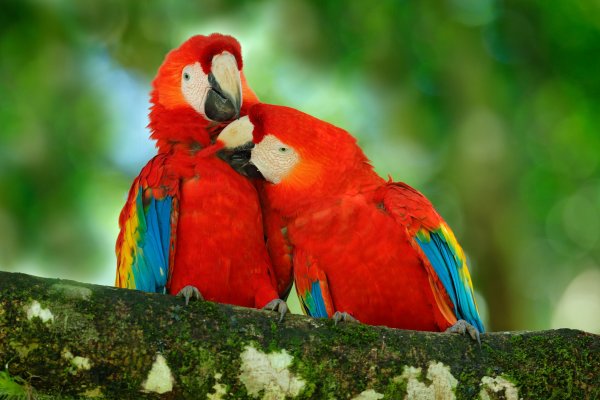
(64, 339)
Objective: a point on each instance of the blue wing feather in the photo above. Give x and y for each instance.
(151, 262)
(448, 265)
(313, 301)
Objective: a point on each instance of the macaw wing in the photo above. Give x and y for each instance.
(441, 254)
(280, 249)
(148, 225)
(447, 259)
(312, 288)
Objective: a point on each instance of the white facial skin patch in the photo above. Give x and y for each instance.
(194, 86)
(274, 159)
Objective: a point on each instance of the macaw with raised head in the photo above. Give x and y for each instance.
(184, 230)
(363, 248)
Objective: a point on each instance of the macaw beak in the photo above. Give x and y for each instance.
(237, 145)
(239, 159)
(224, 98)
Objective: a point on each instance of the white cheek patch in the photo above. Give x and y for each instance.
(195, 87)
(273, 163)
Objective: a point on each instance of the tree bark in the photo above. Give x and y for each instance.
(64, 339)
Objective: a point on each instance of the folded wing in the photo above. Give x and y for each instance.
(146, 242)
(442, 256)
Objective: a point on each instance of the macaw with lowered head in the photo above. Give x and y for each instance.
(363, 248)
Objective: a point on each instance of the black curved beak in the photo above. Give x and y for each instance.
(239, 159)
(220, 105)
(250, 171)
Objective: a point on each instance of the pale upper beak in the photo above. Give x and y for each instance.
(237, 134)
(224, 98)
(237, 147)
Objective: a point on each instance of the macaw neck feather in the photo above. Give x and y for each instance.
(180, 129)
(292, 200)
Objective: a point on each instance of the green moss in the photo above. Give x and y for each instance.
(196, 368)
(545, 361)
(516, 339)
(468, 383)
(210, 309)
(312, 371)
(396, 389)
(354, 334)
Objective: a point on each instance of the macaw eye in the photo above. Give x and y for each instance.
(283, 149)
(186, 76)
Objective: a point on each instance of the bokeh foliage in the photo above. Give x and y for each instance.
(489, 107)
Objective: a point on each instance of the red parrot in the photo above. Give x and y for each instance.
(183, 230)
(363, 248)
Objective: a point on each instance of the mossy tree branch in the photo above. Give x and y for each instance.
(63, 339)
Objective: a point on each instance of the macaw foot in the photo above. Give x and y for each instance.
(343, 316)
(462, 327)
(277, 305)
(189, 292)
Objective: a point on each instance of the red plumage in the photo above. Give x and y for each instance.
(278, 243)
(372, 270)
(220, 243)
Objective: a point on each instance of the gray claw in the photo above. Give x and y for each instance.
(343, 316)
(277, 305)
(461, 327)
(188, 292)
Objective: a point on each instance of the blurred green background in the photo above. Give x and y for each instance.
(491, 108)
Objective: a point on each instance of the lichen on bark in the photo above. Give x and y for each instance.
(113, 343)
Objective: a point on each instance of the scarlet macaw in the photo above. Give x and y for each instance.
(363, 248)
(183, 229)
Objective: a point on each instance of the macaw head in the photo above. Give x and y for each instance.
(199, 86)
(292, 150)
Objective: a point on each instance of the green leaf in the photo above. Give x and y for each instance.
(12, 388)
